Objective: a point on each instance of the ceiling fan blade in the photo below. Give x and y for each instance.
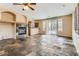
(17, 4)
(32, 3)
(29, 3)
(31, 7)
(25, 3)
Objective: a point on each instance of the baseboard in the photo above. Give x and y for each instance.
(65, 36)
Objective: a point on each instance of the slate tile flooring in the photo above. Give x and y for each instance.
(52, 45)
(38, 45)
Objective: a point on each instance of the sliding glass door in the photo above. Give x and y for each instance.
(50, 26)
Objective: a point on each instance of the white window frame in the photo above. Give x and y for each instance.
(60, 25)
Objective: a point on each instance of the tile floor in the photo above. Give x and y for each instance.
(52, 45)
(38, 45)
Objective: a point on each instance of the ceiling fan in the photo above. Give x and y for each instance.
(29, 5)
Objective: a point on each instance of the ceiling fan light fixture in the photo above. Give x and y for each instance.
(26, 7)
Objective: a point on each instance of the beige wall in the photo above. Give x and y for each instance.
(67, 26)
(20, 18)
(6, 31)
(7, 16)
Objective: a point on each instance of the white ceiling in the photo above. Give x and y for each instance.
(43, 10)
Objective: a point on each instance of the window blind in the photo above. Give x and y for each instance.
(77, 20)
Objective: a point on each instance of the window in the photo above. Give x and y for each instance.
(50, 26)
(60, 24)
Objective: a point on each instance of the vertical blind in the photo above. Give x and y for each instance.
(77, 20)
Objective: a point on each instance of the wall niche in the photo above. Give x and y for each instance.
(7, 25)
